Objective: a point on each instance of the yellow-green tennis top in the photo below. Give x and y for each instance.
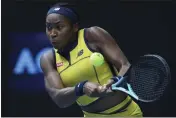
(79, 68)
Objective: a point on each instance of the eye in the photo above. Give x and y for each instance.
(60, 27)
(49, 26)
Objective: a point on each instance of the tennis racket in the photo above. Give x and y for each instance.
(146, 79)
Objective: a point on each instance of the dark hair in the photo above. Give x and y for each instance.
(71, 6)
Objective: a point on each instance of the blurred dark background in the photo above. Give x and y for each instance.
(139, 28)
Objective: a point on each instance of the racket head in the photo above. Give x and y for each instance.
(149, 77)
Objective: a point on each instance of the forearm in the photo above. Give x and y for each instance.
(63, 97)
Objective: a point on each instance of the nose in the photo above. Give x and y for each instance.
(53, 33)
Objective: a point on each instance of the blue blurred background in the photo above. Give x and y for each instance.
(138, 27)
(24, 60)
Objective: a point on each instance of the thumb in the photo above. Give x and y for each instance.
(110, 82)
(102, 88)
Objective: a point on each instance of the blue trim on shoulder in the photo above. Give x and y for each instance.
(54, 55)
(86, 42)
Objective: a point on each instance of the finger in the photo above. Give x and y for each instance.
(101, 89)
(110, 82)
(104, 86)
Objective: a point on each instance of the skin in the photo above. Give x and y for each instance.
(98, 39)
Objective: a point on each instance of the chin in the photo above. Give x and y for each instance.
(58, 47)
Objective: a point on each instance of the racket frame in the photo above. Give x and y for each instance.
(129, 89)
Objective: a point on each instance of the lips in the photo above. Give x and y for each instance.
(54, 43)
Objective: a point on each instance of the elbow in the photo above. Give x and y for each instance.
(126, 64)
(61, 106)
(60, 102)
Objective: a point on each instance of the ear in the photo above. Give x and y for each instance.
(75, 27)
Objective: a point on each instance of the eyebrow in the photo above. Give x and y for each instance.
(54, 23)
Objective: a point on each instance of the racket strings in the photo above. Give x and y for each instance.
(149, 78)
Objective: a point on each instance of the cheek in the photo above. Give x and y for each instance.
(68, 36)
(68, 32)
(47, 33)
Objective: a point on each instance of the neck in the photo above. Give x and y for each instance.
(72, 44)
(74, 38)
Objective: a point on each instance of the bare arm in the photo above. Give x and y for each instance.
(63, 97)
(105, 43)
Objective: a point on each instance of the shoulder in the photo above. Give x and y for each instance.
(95, 33)
(95, 29)
(48, 55)
(98, 36)
(47, 58)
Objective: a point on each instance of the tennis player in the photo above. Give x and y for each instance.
(69, 76)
